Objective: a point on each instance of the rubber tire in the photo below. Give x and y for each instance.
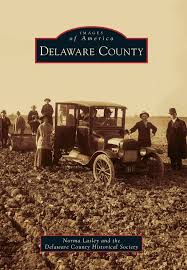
(160, 166)
(110, 164)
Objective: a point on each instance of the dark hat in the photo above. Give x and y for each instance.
(144, 112)
(172, 111)
(33, 106)
(47, 99)
(3, 111)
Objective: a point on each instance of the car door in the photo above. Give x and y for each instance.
(65, 126)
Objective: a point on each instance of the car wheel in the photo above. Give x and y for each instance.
(103, 169)
(155, 166)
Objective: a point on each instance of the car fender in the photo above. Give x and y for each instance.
(108, 153)
(151, 150)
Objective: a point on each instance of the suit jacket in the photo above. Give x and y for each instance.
(4, 127)
(144, 132)
(30, 116)
(47, 109)
(176, 137)
(19, 123)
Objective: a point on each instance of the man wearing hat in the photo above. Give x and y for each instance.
(108, 120)
(47, 110)
(19, 124)
(4, 124)
(176, 138)
(144, 128)
(33, 120)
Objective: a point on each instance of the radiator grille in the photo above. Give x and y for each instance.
(130, 156)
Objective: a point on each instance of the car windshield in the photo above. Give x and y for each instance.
(107, 117)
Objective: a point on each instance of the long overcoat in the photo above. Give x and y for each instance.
(4, 127)
(176, 137)
(47, 110)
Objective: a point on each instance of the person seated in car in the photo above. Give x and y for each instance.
(93, 116)
(93, 113)
(84, 116)
(108, 120)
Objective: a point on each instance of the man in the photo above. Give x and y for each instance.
(176, 138)
(47, 110)
(108, 120)
(84, 115)
(20, 124)
(144, 128)
(93, 116)
(33, 120)
(4, 124)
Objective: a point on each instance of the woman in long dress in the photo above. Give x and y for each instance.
(43, 157)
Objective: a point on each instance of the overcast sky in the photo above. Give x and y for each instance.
(155, 86)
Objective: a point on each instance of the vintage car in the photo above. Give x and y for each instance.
(93, 134)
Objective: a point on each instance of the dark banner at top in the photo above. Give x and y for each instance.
(91, 44)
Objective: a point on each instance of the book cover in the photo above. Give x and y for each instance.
(93, 135)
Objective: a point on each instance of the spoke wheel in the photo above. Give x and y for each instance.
(103, 169)
(155, 166)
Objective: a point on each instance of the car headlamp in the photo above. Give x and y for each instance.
(143, 152)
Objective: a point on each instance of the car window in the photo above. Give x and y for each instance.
(119, 117)
(65, 115)
(107, 117)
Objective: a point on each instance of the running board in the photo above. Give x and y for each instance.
(77, 157)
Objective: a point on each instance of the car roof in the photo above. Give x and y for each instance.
(94, 104)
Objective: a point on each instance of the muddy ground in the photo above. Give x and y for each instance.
(67, 200)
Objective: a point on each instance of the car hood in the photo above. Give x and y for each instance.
(115, 141)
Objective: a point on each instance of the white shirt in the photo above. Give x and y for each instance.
(174, 120)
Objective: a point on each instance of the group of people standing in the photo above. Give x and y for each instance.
(176, 136)
(40, 126)
(33, 116)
